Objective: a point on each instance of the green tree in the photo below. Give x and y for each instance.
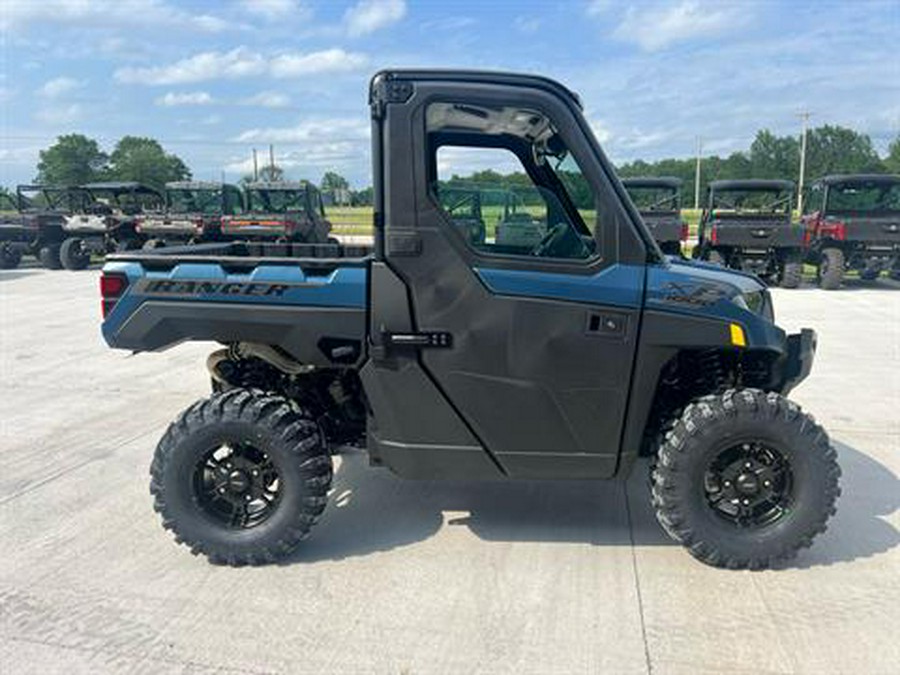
(74, 159)
(834, 149)
(774, 156)
(892, 161)
(144, 160)
(332, 181)
(270, 173)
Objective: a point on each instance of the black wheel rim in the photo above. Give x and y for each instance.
(750, 485)
(237, 485)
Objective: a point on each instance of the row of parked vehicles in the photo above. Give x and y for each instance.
(63, 226)
(849, 222)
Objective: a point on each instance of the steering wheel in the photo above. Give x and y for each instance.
(551, 239)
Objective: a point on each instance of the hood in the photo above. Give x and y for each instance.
(698, 287)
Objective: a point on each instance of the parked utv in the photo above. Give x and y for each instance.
(464, 207)
(448, 358)
(658, 200)
(281, 212)
(518, 227)
(106, 222)
(193, 213)
(853, 223)
(747, 226)
(31, 223)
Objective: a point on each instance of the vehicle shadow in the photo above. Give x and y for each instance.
(371, 510)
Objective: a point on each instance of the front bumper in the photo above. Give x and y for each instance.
(801, 350)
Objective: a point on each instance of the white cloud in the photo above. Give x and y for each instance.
(58, 86)
(601, 131)
(17, 14)
(367, 16)
(655, 27)
(342, 129)
(599, 7)
(325, 61)
(267, 99)
(527, 25)
(172, 99)
(242, 62)
(60, 114)
(276, 9)
(239, 62)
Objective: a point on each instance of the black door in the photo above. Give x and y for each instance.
(542, 313)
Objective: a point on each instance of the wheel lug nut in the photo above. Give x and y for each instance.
(767, 483)
(247, 498)
(746, 502)
(222, 491)
(727, 483)
(255, 472)
(747, 465)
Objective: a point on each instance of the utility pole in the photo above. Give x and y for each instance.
(255, 167)
(805, 115)
(697, 175)
(271, 162)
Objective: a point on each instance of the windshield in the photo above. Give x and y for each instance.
(751, 201)
(864, 197)
(653, 197)
(276, 201)
(208, 202)
(461, 203)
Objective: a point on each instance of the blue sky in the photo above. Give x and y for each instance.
(212, 80)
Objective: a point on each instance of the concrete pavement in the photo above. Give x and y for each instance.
(417, 577)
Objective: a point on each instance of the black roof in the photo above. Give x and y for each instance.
(48, 187)
(194, 185)
(653, 181)
(278, 185)
(860, 178)
(752, 184)
(476, 76)
(120, 186)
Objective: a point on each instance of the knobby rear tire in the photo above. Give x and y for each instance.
(831, 268)
(289, 439)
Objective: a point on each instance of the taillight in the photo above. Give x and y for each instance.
(713, 235)
(112, 285)
(836, 229)
(685, 231)
(198, 225)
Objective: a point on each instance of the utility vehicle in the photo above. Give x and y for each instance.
(193, 213)
(448, 358)
(31, 223)
(463, 205)
(519, 227)
(107, 221)
(280, 211)
(658, 200)
(853, 223)
(747, 225)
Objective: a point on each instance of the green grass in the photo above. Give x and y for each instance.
(358, 219)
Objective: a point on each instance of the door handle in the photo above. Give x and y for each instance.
(433, 339)
(607, 324)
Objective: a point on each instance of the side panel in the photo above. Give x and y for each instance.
(309, 316)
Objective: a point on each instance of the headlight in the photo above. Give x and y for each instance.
(757, 302)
